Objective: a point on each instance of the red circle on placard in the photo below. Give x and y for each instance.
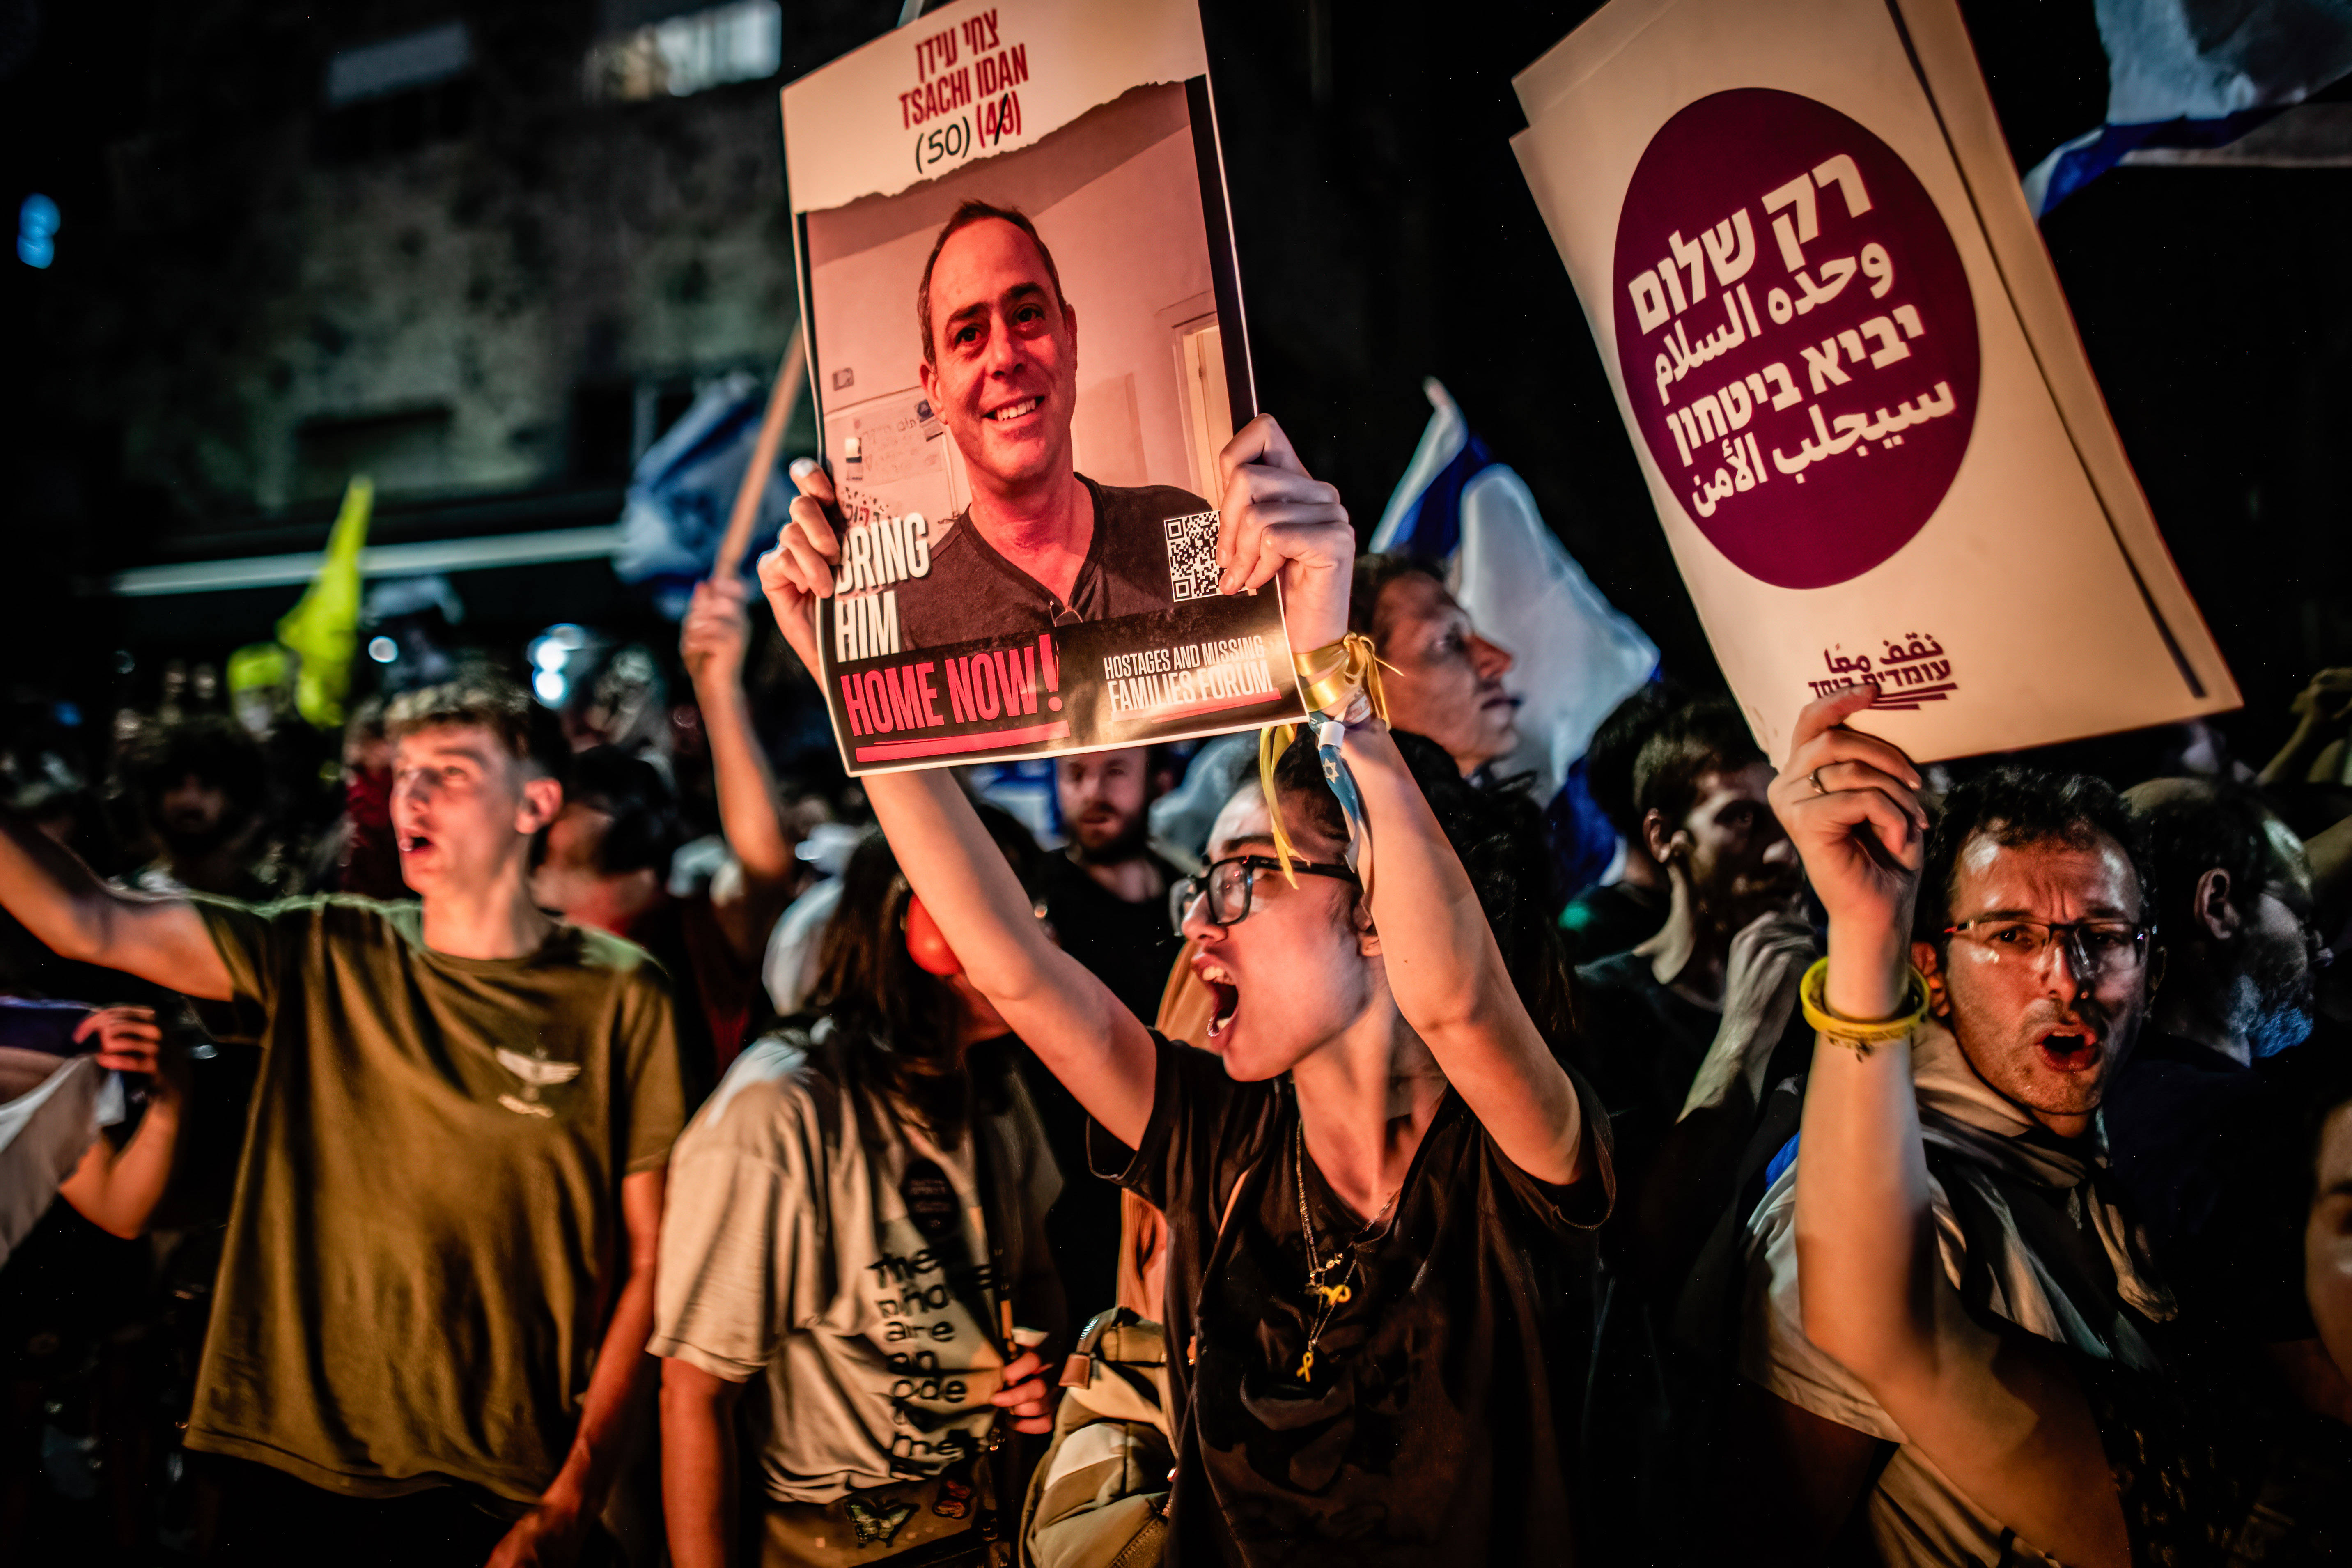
(1867, 342)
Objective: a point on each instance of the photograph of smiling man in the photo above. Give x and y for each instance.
(1025, 332)
(1040, 544)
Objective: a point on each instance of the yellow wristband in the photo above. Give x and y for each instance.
(1859, 1034)
(1329, 693)
(1330, 675)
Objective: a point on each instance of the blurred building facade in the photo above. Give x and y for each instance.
(482, 253)
(461, 268)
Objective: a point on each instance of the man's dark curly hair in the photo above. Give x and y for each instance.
(1616, 747)
(2014, 805)
(1497, 832)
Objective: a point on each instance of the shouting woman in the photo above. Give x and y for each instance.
(1367, 1194)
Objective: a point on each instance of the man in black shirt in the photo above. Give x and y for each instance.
(1649, 1017)
(1651, 1014)
(1041, 545)
(2201, 1118)
(1107, 892)
(1106, 896)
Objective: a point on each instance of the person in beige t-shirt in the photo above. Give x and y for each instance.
(855, 1217)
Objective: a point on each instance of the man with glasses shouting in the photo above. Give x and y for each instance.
(2032, 940)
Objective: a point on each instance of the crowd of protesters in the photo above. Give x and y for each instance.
(575, 1143)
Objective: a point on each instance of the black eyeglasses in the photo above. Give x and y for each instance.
(1227, 885)
(2096, 948)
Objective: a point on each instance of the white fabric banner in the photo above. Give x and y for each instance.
(49, 1114)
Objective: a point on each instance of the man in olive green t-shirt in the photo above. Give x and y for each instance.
(439, 1266)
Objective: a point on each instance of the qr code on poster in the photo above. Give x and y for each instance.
(1192, 556)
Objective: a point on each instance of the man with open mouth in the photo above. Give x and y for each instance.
(437, 1281)
(2032, 939)
(1040, 545)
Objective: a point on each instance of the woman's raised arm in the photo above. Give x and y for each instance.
(1444, 968)
(1449, 979)
(1092, 1044)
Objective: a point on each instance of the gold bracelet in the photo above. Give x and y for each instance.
(1812, 995)
(1330, 675)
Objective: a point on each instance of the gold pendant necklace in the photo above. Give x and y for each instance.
(1318, 1267)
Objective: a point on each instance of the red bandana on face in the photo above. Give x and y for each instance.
(367, 797)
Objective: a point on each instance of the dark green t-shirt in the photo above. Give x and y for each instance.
(427, 1223)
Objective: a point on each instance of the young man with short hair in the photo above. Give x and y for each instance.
(1698, 786)
(438, 1281)
(1609, 918)
(1723, 968)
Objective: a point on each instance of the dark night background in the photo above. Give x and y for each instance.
(250, 287)
(493, 290)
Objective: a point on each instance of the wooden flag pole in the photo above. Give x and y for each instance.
(782, 399)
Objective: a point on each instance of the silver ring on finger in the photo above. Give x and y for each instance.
(1818, 787)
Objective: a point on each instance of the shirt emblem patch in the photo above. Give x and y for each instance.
(536, 1072)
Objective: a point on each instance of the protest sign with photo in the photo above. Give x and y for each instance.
(1025, 333)
(1851, 377)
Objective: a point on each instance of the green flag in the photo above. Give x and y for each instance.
(323, 629)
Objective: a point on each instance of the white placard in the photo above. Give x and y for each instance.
(1849, 375)
(967, 80)
(1024, 328)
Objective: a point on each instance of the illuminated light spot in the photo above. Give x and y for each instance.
(36, 225)
(683, 54)
(383, 650)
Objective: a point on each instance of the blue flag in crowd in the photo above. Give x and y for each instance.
(1576, 655)
(2197, 74)
(683, 489)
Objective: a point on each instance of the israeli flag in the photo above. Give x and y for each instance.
(1576, 655)
(684, 490)
(2197, 81)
